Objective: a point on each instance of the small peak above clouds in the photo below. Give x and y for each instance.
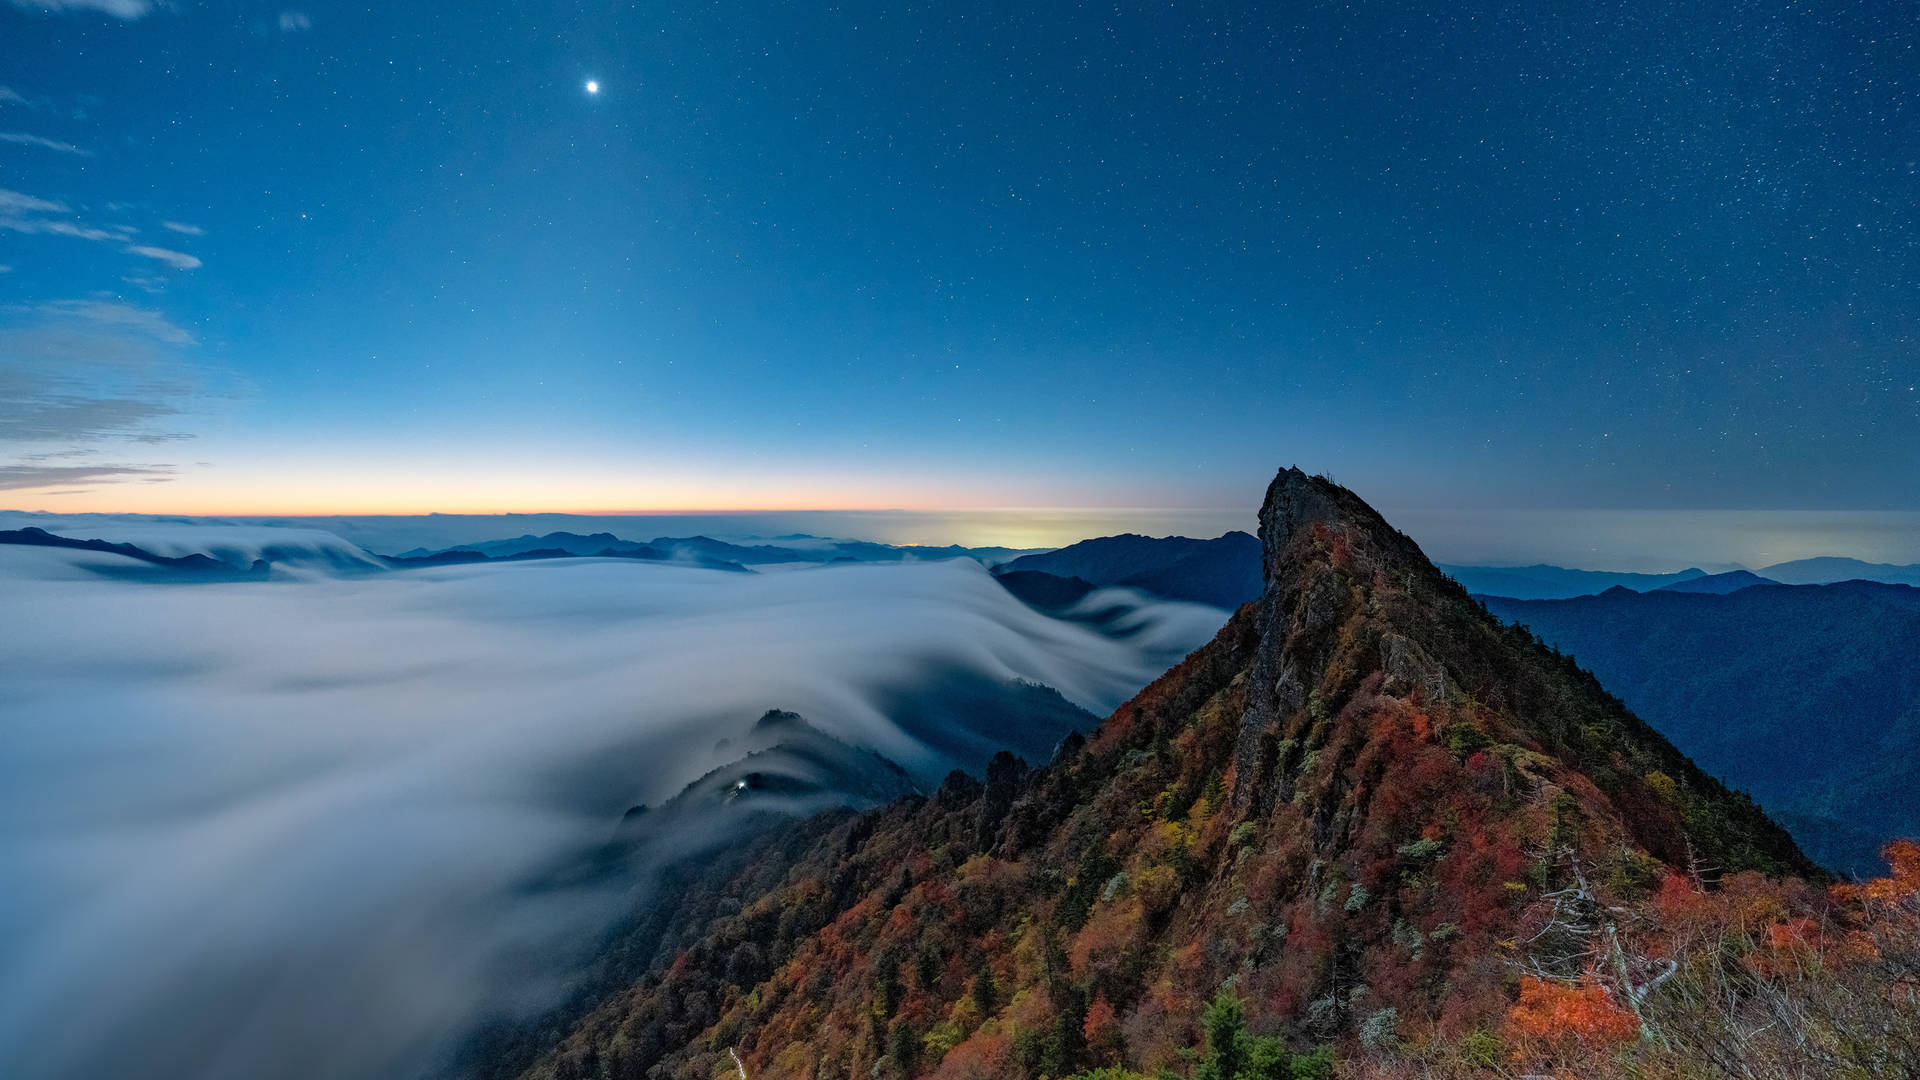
(239, 547)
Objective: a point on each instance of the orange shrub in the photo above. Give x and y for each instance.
(1554, 1013)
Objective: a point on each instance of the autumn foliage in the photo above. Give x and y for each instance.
(1553, 1012)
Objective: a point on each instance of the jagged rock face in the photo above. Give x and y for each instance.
(1317, 537)
(1349, 803)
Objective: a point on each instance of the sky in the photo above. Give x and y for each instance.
(1620, 257)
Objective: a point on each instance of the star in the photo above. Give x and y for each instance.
(593, 86)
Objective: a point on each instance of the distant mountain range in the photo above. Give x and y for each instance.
(559, 546)
(1807, 696)
(188, 551)
(1547, 582)
(1829, 569)
(199, 566)
(193, 566)
(1730, 582)
(705, 550)
(1224, 572)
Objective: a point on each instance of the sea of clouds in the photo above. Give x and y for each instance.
(286, 827)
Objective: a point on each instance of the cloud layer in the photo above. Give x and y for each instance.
(239, 821)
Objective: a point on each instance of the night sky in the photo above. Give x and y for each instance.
(332, 259)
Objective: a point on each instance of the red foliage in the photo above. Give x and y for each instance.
(983, 1057)
(1678, 902)
(1105, 1043)
(1551, 1013)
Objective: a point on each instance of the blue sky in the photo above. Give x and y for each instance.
(279, 259)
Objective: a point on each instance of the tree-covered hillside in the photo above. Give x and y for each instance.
(1367, 817)
(1806, 696)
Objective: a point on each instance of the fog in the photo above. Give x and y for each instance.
(284, 828)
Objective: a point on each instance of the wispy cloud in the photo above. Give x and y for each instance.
(139, 320)
(183, 228)
(119, 9)
(179, 260)
(37, 411)
(81, 371)
(294, 21)
(10, 96)
(45, 227)
(24, 139)
(28, 477)
(23, 213)
(17, 202)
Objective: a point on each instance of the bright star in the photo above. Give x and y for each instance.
(593, 86)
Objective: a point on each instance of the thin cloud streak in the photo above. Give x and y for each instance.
(19, 202)
(179, 260)
(18, 213)
(119, 9)
(30, 477)
(23, 138)
(144, 321)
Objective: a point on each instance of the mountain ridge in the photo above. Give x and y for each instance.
(1223, 572)
(1330, 808)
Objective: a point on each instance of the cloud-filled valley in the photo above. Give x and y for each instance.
(242, 818)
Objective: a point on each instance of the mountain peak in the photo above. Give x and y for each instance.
(1306, 517)
(1355, 623)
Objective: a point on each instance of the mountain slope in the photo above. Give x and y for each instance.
(1224, 571)
(1048, 592)
(1808, 696)
(1350, 807)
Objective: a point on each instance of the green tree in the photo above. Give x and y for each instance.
(1267, 1059)
(1225, 1022)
